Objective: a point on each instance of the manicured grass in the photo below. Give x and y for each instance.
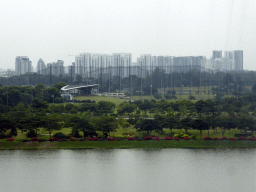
(127, 144)
(99, 98)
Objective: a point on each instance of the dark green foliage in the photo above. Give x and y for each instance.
(59, 135)
(39, 104)
(31, 134)
(13, 131)
(59, 85)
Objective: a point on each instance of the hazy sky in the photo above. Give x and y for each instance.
(52, 30)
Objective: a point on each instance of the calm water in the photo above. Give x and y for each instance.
(130, 170)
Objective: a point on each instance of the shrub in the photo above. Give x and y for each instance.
(168, 138)
(224, 138)
(67, 137)
(148, 138)
(10, 139)
(31, 134)
(221, 138)
(53, 139)
(26, 140)
(110, 139)
(81, 139)
(232, 139)
(93, 139)
(13, 132)
(130, 138)
(241, 138)
(41, 140)
(215, 138)
(34, 139)
(207, 138)
(72, 139)
(59, 135)
(186, 138)
(157, 138)
(177, 138)
(119, 139)
(252, 139)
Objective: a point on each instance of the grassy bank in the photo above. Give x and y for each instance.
(126, 144)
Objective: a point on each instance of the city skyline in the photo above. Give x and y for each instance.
(54, 30)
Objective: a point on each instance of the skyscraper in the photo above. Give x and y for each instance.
(238, 58)
(41, 67)
(22, 65)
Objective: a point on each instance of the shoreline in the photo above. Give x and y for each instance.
(192, 144)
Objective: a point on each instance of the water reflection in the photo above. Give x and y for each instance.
(128, 170)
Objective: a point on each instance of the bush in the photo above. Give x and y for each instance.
(10, 139)
(81, 139)
(241, 138)
(53, 139)
(93, 139)
(148, 138)
(14, 132)
(168, 138)
(31, 134)
(252, 139)
(186, 138)
(110, 139)
(224, 138)
(130, 138)
(72, 139)
(157, 138)
(34, 139)
(215, 138)
(59, 135)
(232, 139)
(177, 138)
(207, 138)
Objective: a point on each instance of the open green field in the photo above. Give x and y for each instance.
(99, 98)
(202, 93)
(127, 144)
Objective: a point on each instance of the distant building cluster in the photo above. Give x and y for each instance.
(120, 64)
(23, 65)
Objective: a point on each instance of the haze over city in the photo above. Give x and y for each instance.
(54, 30)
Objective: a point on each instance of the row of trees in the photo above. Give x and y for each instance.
(13, 95)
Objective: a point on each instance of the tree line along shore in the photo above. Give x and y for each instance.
(232, 117)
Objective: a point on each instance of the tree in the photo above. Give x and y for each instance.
(6, 123)
(81, 124)
(148, 125)
(106, 124)
(200, 124)
(104, 107)
(59, 85)
(39, 104)
(126, 108)
(52, 123)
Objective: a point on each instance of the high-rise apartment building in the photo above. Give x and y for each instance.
(41, 68)
(216, 54)
(238, 59)
(22, 65)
